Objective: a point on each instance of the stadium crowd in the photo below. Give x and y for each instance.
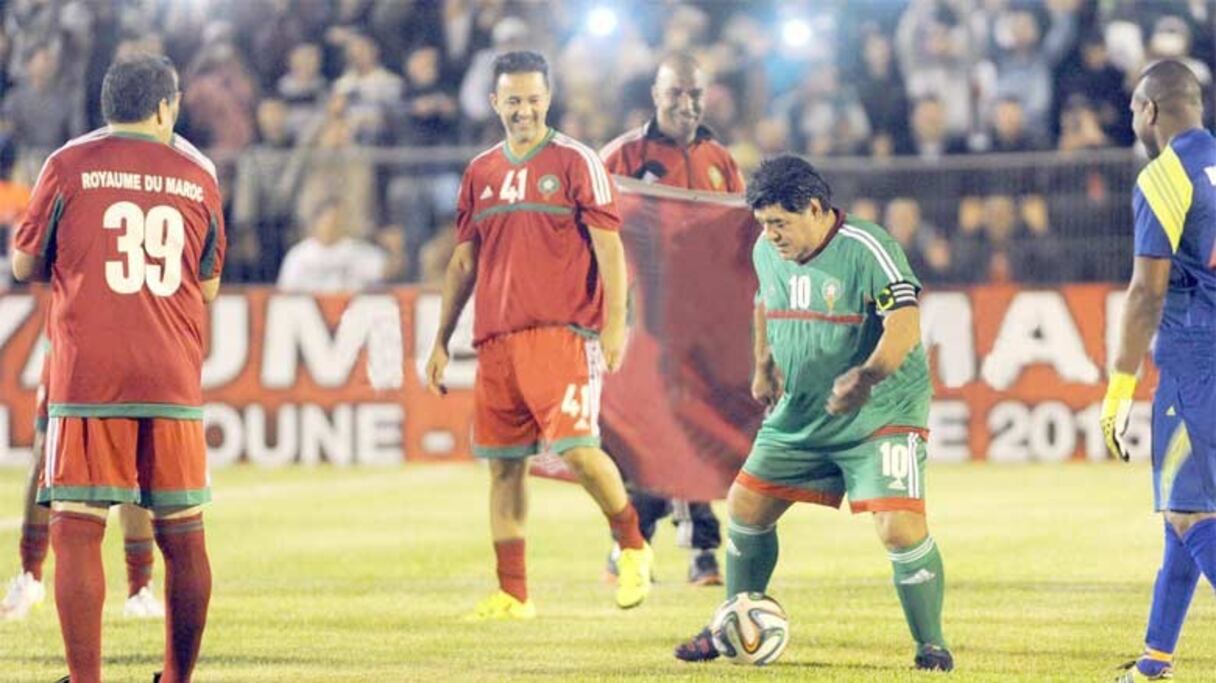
(341, 126)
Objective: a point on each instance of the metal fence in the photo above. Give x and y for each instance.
(1037, 218)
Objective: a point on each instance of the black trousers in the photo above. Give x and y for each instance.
(696, 525)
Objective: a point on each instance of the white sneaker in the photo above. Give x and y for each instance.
(144, 605)
(24, 592)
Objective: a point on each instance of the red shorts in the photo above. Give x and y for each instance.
(155, 462)
(537, 387)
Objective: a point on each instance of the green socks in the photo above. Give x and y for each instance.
(921, 585)
(751, 554)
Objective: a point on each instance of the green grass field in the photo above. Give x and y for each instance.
(362, 575)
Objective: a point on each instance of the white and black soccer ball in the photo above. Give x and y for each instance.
(750, 628)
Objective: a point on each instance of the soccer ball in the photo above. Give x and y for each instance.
(750, 628)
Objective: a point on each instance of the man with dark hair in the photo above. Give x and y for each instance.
(129, 93)
(126, 224)
(674, 148)
(1172, 293)
(840, 366)
(537, 231)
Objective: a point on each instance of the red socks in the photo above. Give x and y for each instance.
(512, 574)
(80, 590)
(187, 593)
(139, 563)
(625, 528)
(34, 541)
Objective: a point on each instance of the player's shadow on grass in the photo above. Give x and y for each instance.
(150, 659)
(1069, 587)
(154, 660)
(813, 665)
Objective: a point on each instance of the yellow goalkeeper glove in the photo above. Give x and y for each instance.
(1116, 409)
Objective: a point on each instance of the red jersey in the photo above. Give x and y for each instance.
(647, 154)
(129, 227)
(530, 217)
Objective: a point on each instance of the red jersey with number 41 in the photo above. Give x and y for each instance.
(129, 228)
(530, 218)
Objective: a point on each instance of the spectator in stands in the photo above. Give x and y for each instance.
(368, 89)
(26, 25)
(391, 240)
(864, 208)
(1172, 38)
(1040, 256)
(1080, 126)
(826, 116)
(1008, 131)
(436, 253)
(220, 95)
(417, 197)
(330, 259)
(1094, 77)
(510, 33)
(41, 112)
(936, 56)
(970, 253)
(14, 197)
(273, 128)
(303, 88)
(464, 28)
(1001, 226)
(931, 138)
(880, 88)
(939, 266)
(6, 46)
(428, 114)
(263, 195)
(275, 29)
(327, 162)
(1025, 60)
(906, 224)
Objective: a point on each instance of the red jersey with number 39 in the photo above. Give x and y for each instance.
(530, 219)
(129, 228)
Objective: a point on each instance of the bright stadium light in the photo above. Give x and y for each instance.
(602, 21)
(796, 32)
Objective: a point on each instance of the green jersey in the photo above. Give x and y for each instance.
(826, 316)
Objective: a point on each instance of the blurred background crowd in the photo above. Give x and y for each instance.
(991, 137)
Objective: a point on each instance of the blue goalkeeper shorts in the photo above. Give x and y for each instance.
(1184, 441)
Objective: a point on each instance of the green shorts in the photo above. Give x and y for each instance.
(886, 472)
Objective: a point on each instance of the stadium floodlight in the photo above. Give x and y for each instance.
(796, 32)
(602, 21)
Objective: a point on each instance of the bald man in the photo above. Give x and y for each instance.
(1172, 293)
(676, 149)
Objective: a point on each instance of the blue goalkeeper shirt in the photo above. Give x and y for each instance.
(1174, 202)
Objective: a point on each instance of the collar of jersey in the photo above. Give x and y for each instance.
(703, 133)
(506, 149)
(1187, 134)
(827, 239)
(134, 136)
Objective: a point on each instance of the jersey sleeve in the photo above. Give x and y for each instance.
(35, 234)
(464, 209)
(886, 276)
(1160, 202)
(594, 193)
(614, 159)
(734, 177)
(215, 245)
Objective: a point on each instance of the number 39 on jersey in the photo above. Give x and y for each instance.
(159, 234)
